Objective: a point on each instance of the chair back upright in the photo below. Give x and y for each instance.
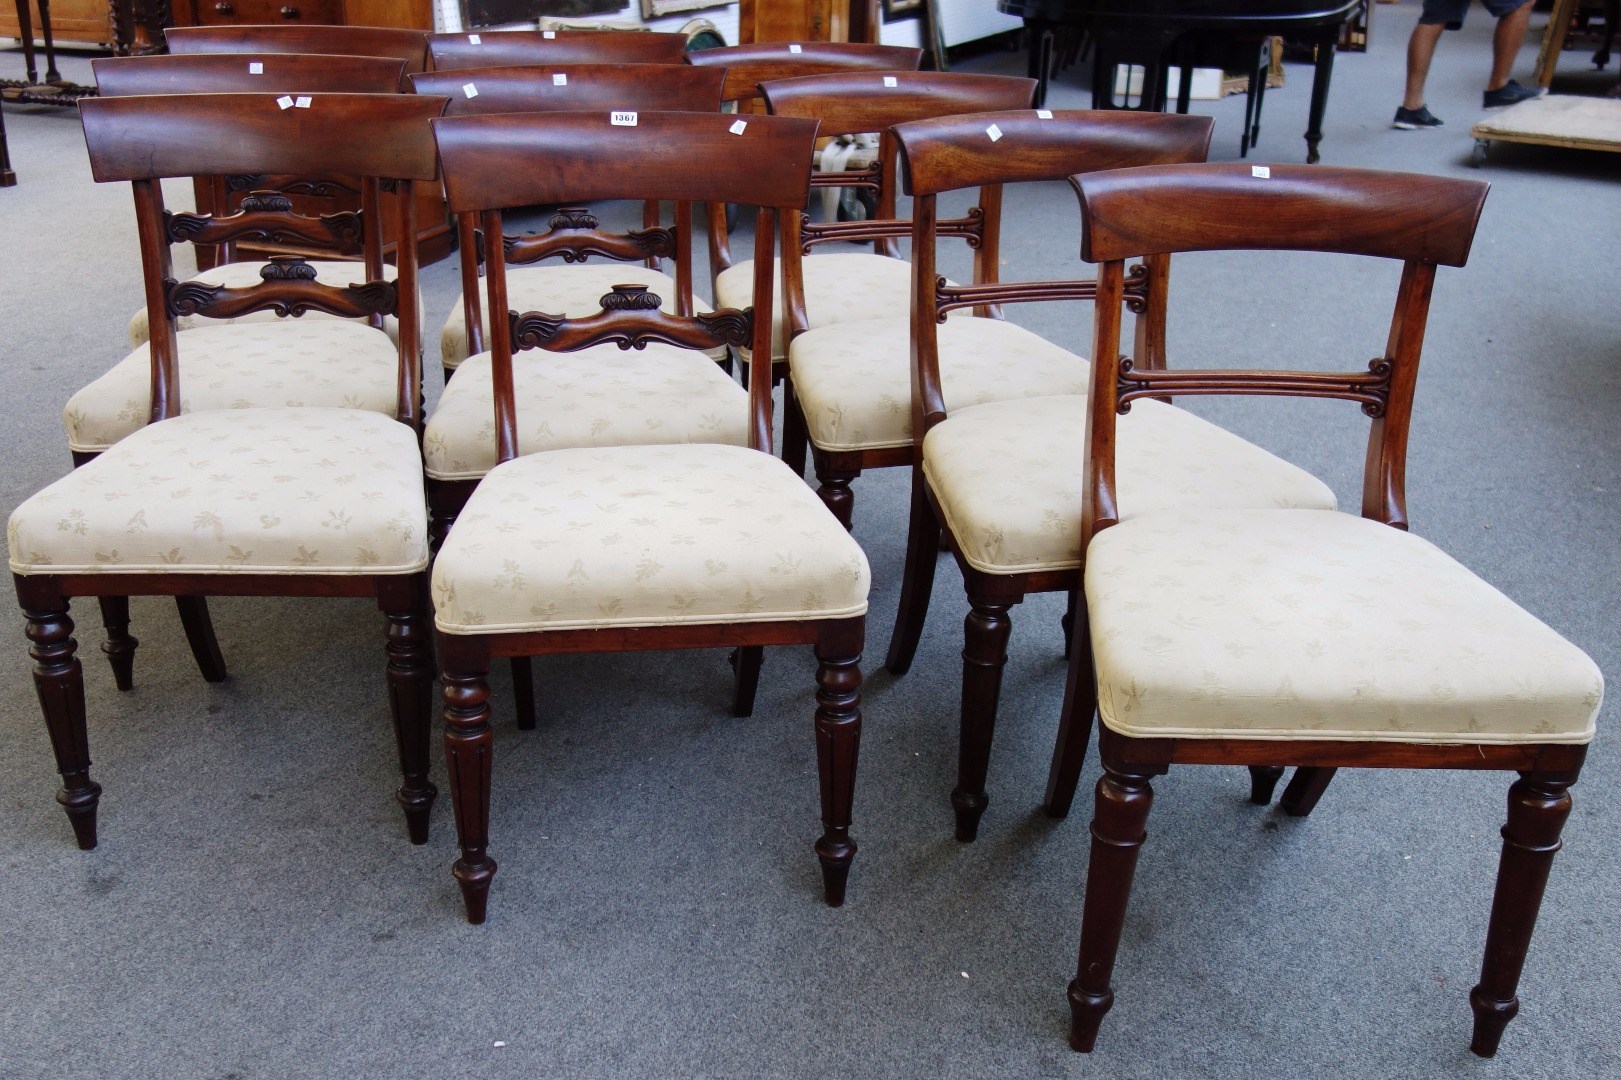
(144, 140)
(850, 103)
(410, 46)
(990, 150)
(1422, 221)
(574, 233)
(747, 66)
(510, 48)
(497, 162)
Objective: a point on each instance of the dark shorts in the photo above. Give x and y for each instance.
(1451, 12)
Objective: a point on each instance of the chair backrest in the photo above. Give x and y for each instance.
(233, 73)
(990, 150)
(489, 167)
(1423, 221)
(574, 234)
(852, 102)
(144, 140)
(509, 48)
(408, 45)
(749, 65)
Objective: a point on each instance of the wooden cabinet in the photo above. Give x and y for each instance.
(80, 21)
(408, 14)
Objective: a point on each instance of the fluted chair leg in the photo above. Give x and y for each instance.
(59, 682)
(469, 748)
(838, 742)
(1118, 831)
(1537, 808)
(984, 655)
(410, 697)
(119, 646)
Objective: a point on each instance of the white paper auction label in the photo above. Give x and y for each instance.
(548, 35)
(474, 39)
(1261, 171)
(1044, 114)
(559, 79)
(795, 49)
(256, 68)
(622, 119)
(994, 132)
(738, 127)
(470, 90)
(890, 80)
(285, 102)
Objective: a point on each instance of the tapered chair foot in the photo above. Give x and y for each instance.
(969, 808)
(80, 805)
(1263, 782)
(418, 807)
(120, 645)
(835, 857)
(1491, 1019)
(1086, 1012)
(523, 691)
(474, 879)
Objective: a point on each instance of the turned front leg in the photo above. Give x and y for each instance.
(838, 740)
(469, 747)
(1118, 831)
(59, 681)
(1537, 809)
(984, 655)
(410, 697)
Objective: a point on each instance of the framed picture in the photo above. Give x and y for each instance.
(653, 8)
(503, 12)
(902, 9)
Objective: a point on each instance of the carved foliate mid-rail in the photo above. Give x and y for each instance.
(949, 297)
(289, 289)
(320, 189)
(265, 216)
(631, 318)
(575, 235)
(1370, 389)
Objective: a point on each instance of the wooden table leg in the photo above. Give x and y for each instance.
(1319, 92)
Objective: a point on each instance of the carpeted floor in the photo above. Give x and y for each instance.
(254, 909)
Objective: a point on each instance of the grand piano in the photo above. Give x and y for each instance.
(1158, 35)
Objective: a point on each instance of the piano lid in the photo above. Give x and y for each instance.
(1268, 16)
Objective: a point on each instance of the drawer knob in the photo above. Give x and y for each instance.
(224, 8)
(289, 12)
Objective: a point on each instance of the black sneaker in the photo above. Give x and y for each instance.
(1510, 93)
(1414, 119)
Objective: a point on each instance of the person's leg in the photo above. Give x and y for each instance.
(1420, 51)
(1506, 44)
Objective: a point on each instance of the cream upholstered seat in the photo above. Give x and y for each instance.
(573, 289)
(601, 396)
(1008, 476)
(644, 536)
(1321, 625)
(840, 287)
(297, 362)
(853, 381)
(242, 274)
(269, 491)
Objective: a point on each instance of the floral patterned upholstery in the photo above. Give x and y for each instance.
(247, 365)
(574, 290)
(1265, 624)
(1008, 476)
(839, 287)
(237, 275)
(601, 396)
(269, 491)
(854, 380)
(644, 536)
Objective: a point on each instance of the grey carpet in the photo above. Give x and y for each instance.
(254, 909)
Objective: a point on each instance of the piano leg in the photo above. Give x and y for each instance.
(1041, 58)
(1319, 91)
